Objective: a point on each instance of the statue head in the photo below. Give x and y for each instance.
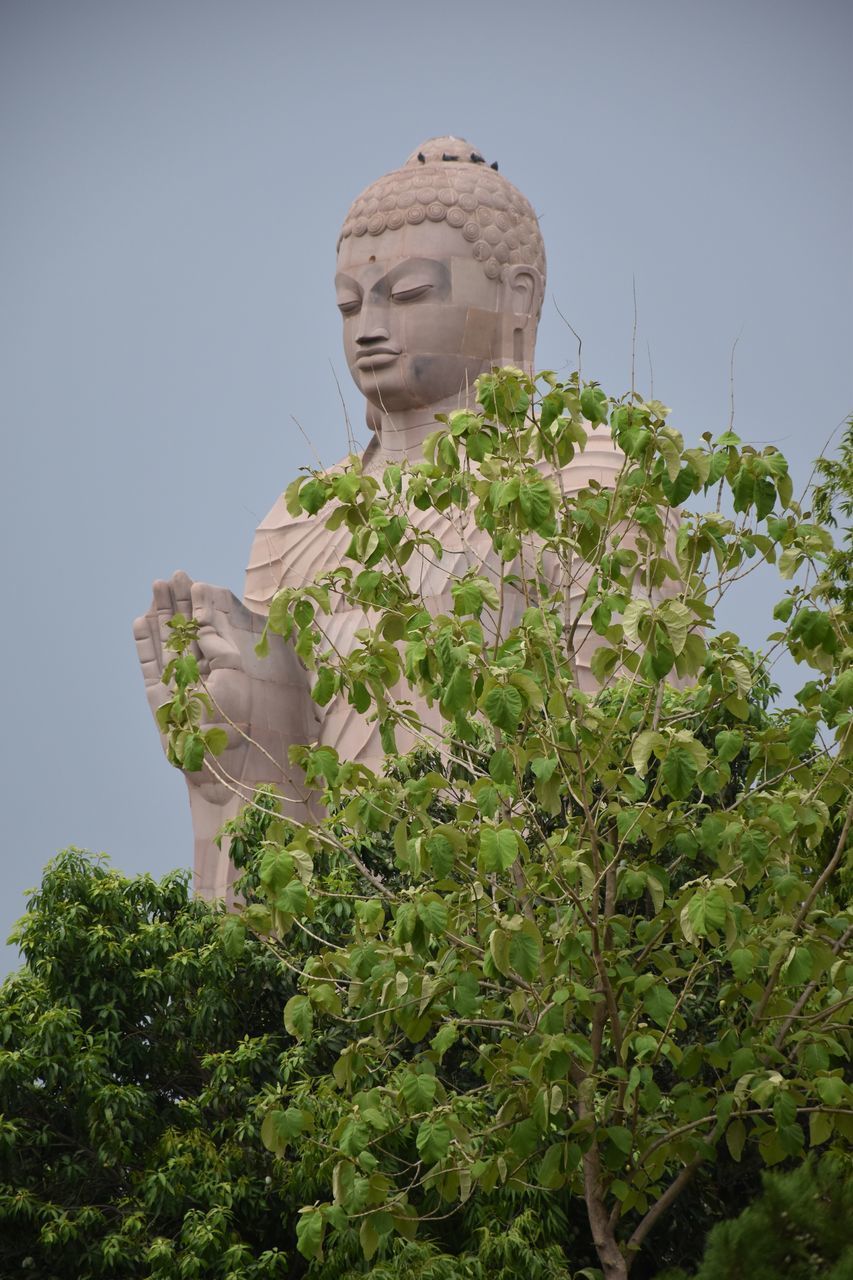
(440, 275)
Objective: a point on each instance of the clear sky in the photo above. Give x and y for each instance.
(174, 175)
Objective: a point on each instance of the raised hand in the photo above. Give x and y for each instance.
(263, 704)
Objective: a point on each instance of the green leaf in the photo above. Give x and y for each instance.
(753, 849)
(536, 502)
(797, 969)
(323, 996)
(743, 1060)
(728, 744)
(603, 663)
(457, 692)
(392, 478)
(280, 1127)
(743, 490)
(346, 486)
(498, 850)
(659, 1003)
(291, 497)
(418, 1091)
(292, 899)
(310, 1227)
(636, 611)
(323, 762)
(324, 689)
(277, 869)
(671, 455)
(621, 1138)
(801, 734)
(524, 955)
(368, 1238)
(594, 404)
(550, 1172)
(433, 1140)
(544, 767)
(677, 619)
(815, 1057)
(445, 1038)
(441, 855)
(820, 1128)
(642, 748)
(486, 797)
(370, 914)
(215, 741)
(501, 767)
(735, 1139)
(193, 753)
(298, 1017)
(742, 963)
(258, 918)
(280, 616)
(832, 1090)
(679, 771)
(706, 911)
(499, 950)
(770, 1148)
(186, 670)
(504, 706)
(312, 496)
(467, 597)
(432, 914)
(233, 936)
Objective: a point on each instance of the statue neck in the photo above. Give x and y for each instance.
(401, 435)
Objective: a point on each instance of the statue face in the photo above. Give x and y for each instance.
(421, 318)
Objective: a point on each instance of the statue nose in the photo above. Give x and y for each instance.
(371, 329)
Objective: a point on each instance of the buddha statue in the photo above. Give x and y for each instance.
(440, 277)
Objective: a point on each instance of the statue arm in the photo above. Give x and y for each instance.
(263, 704)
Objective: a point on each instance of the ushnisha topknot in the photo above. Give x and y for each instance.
(447, 180)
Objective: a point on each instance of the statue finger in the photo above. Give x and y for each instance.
(164, 607)
(148, 648)
(181, 586)
(217, 648)
(217, 652)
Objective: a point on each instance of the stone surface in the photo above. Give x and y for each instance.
(440, 275)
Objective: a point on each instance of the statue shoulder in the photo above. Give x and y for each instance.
(289, 551)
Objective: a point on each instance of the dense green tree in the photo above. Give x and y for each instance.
(800, 1227)
(134, 1056)
(551, 991)
(607, 938)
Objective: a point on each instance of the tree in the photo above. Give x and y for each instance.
(798, 1228)
(136, 1060)
(604, 937)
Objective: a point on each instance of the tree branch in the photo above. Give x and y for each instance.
(661, 1205)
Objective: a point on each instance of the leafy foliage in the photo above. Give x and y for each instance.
(604, 938)
(134, 1060)
(798, 1228)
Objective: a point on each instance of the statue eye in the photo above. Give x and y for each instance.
(349, 306)
(409, 292)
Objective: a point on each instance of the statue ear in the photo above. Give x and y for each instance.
(524, 289)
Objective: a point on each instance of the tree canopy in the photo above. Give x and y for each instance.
(586, 942)
(577, 961)
(134, 1059)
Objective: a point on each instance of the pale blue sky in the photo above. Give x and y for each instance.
(174, 175)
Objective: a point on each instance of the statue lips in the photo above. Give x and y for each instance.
(377, 357)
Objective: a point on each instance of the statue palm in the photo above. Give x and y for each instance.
(263, 704)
